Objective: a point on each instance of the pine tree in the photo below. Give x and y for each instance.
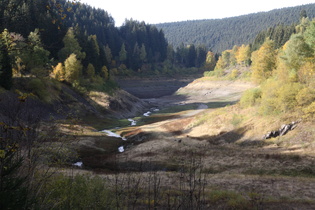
(35, 55)
(108, 55)
(93, 53)
(5, 67)
(90, 71)
(143, 54)
(191, 58)
(5, 63)
(71, 45)
(123, 53)
(135, 63)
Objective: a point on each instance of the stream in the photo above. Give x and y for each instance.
(132, 123)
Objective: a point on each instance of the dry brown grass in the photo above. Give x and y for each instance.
(228, 142)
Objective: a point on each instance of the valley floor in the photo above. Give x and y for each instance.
(219, 161)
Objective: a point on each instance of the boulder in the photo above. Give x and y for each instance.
(284, 129)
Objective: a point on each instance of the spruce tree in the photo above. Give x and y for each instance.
(5, 65)
(71, 45)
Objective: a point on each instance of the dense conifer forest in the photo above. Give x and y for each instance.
(222, 34)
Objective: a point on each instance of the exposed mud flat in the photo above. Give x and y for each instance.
(153, 87)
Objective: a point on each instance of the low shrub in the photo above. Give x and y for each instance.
(287, 96)
(78, 192)
(38, 87)
(309, 111)
(234, 74)
(250, 97)
(278, 97)
(305, 96)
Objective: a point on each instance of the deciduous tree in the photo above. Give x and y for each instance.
(59, 72)
(243, 55)
(210, 61)
(73, 68)
(263, 61)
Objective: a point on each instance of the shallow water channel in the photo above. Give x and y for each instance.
(132, 123)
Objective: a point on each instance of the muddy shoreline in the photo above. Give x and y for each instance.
(145, 88)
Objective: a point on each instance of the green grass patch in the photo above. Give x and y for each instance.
(154, 118)
(219, 104)
(104, 123)
(230, 199)
(179, 108)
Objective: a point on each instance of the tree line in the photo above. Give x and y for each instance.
(222, 34)
(55, 32)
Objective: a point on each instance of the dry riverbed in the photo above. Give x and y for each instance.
(171, 143)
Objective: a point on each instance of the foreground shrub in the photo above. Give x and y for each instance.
(305, 96)
(78, 192)
(287, 96)
(234, 74)
(278, 97)
(250, 97)
(309, 111)
(38, 87)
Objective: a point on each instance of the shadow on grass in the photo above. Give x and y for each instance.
(101, 123)
(224, 137)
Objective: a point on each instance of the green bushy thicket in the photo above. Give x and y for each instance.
(250, 97)
(278, 98)
(78, 192)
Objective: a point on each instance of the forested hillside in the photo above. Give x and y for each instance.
(221, 34)
(285, 72)
(64, 27)
(59, 33)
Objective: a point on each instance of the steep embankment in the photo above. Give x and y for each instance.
(49, 99)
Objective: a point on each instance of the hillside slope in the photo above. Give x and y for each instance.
(222, 34)
(60, 101)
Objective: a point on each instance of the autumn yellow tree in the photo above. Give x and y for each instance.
(210, 61)
(263, 61)
(105, 73)
(73, 68)
(243, 55)
(233, 54)
(59, 72)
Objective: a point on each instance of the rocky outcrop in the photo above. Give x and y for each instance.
(284, 129)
